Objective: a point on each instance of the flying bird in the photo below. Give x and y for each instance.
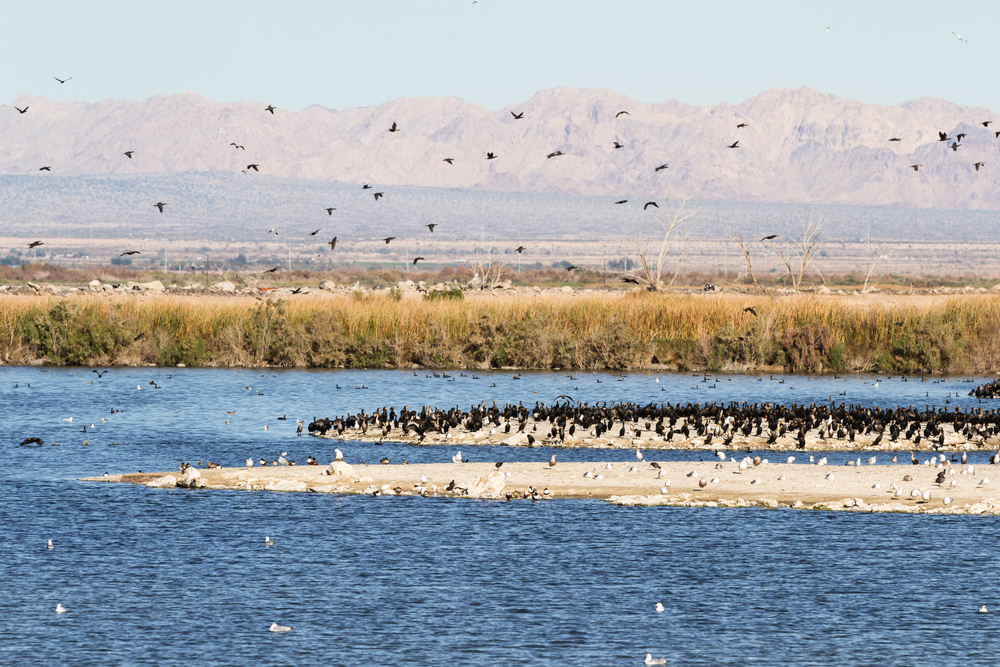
(378, 194)
(236, 145)
(978, 165)
(449, 160)
(556, 154)
(750, 309)
(628, 279)
(416, 259)
(741, 125)
(19, 110)
(954, 146)
(45, 169)
(571, 267)
(942, 136)
(960, 38)
(270, 108)
(520, 249)
(61, 80)
(272, 270)
(960, 136)
(623, 201)
(128, 154)
(318, 230)
(254, 167)
(35, 244)
(622, 112)
(735, 144)
(394, 128)
(662, 166)
(141, 335)
(333, 243)
(100, 374)
(130, 252)
(650, 203)
(517, 116)
(32, 441)
(916, 167)
(768, 238)
(986, 123)
(273, 230)
(431, 226)
(491, 156)
(366, 187)
(329, 211)
(895, 139)
(618, 145)
(388, 238)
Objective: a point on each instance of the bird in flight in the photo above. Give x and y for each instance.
(273, 230)
(517, 116)
(388, 238)
(622, 112)
(318, 230)
(449, 160)
(960, 38)
(491, 156)
(416, 259)
(45, 169)
(960, 136)
(768, 238)
(895, 139)
(556, 154)
(366, 187)
(978, 165)
(329, 211)
(19, 110)
(916, 167)
(628, 279)
(394, 128)
(650, 203)
(272, 270)
(954, 146)
(662, 166)
(128, 154)
(520, 249)
(735, 144)
(986, 123)
(623, 201)
(236, 145)
(943, 136)
(61, 80)
(130, 252)
(160, 205)
(379, 194)
(432, 225)
(35, 244)
(254, 167)
(333, 243)
(750, 309)
(100, 374)
(33, 441)
(571, 267)
(996, 134)
(270, 108)
(741, 125)
(618, 145)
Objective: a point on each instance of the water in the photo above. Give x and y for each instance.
(169, 577)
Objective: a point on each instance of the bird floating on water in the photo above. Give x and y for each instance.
(281, 628)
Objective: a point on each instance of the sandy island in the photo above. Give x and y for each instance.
(869, 488)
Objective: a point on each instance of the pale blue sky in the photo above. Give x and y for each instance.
(495, 52)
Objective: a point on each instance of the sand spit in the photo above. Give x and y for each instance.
(869, 488)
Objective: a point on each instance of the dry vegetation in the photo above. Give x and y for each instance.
(638, 330)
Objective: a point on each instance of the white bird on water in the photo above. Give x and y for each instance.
(659, 607)
(983, 609)
(50, 545)
(650, 660)
(68, 420)
(268, 542)
(62, 610)
(280, 628)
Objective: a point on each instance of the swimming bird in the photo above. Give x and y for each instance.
(983, 609)
(638, 455)
(662, 166)
(160, 205)
(60, 609)
(270, 108)
(268, 542)
(517, 116)
(659, 607)
(281, 628)
(394, 128)
(650, 660)
(650, 203)
(128, 154)
(50, 545)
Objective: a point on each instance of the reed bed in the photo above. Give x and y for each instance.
(802, 334)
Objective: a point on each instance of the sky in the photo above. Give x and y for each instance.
(340, 54)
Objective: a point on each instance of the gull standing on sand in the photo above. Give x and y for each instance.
(638, 455)
(457, 458)
(249, 463)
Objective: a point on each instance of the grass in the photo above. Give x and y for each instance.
(961, 335)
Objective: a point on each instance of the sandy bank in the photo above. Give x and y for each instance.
(878, 488)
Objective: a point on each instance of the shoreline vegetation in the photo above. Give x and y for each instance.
(617, 331)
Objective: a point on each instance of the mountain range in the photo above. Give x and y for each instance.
(799, 146)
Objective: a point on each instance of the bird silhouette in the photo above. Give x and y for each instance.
(662, 166)
(517, 116)
(128, 154)
(942, 136)
(274, 270)
(916, 167)
(895, 139)
(366, 187)
(273, 230)
(622, 112)
(520, 249)
(735, 144)
(750, 309)
(431, 226)
(236, 145)
(62, 80)
(318, 230)
(160, 205)
(32, 441)
(623, 201)
(270, 108)
(388, 238)
(556, 154)
(741, 125)
(333, 243)
(618, 145)
(45, 169)
(768, 238)
(954, 146)
(491, 156)
(571, 267)
(100, 374)
(650, 203)
(977, 165)
(329, 211)
(130, 252)
(378, 194)
(627, 279)
(416, 259)
(19, 110)
(254, 167)
(960, 136)
(394, 128)
(986, 123)
(449, 160)
(35, 244)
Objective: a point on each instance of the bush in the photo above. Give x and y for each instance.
(121, 261)
(452, 294)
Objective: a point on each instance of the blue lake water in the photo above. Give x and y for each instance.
(169, 577)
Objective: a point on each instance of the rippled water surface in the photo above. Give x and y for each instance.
(174, 577)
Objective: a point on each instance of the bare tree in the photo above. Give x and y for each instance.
(489, 268)
(652, 268)
(736, 238)
(876, 254)
(802, 251)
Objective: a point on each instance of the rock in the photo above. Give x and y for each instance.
(489, 485)
(95, 283)
(822, 289)
(225, 286)
(321, 489)
(516, 439)
(567, 289)
(327, 285)
(286, 485)
(107, 288)
(190, 478)
(153, 286)
(339, 468)
(165, 482)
